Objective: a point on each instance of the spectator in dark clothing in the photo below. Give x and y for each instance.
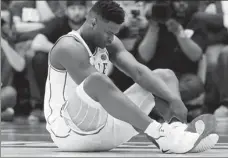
(27, 16)
(177, 45)
(219, 93)
(44, 41)
(11, 62)
(221, 76)
(215, 21)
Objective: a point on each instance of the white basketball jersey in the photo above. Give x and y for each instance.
(59, 87)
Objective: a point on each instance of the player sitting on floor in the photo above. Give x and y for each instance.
(85, 111)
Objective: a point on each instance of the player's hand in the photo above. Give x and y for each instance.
(174, 27)
(178, 111)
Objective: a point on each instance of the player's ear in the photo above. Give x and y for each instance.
(93, 22)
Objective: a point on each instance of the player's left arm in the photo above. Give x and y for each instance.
(140, 73)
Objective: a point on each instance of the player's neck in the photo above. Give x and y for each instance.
(87, 38)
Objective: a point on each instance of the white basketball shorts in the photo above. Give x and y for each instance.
(114, 133)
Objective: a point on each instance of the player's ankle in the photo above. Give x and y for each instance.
(153, 129)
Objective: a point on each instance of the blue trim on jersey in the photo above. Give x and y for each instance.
(64, 87)
(49, 100)
(49, 80)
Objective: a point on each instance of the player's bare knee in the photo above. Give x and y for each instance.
(166, 74)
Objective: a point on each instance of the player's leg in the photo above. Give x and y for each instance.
(101, 89)
(82, 120)
(80, 111)
(172, 82)
(145, 101)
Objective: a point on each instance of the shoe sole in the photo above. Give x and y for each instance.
(210, 128)
(206, 143)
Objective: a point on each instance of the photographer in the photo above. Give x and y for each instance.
(171, 43)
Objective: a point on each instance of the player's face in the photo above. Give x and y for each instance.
(105, 32)
(76, 13)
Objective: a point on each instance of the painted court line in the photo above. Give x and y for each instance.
(128, 145)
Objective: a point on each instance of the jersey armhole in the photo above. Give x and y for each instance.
(49, 55)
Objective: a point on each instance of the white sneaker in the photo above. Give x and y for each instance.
(174, 139)
(205, 126)
(206, 143)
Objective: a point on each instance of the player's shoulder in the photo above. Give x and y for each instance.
(68, 51)
(115, 48)
(116, 44)
(68, 45)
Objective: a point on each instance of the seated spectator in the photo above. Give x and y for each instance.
(219, 95)
(50, 9)
(10, 61)
(20, 78)
(221, 77)
(215, 21)
(25, 16)
(30, 15)
(175, 44)
(44, 41)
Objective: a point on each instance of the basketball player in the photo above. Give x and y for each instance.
(85, 111)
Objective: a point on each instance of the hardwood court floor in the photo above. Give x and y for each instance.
(32, 140)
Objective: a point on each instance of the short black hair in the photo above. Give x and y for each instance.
(109, 10)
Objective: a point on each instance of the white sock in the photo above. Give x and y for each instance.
(153, 129)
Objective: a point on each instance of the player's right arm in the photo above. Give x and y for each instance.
(72, 56)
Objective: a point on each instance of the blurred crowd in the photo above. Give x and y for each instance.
(29, 30)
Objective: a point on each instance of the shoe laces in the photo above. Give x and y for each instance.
(165, 129)
(179, 126)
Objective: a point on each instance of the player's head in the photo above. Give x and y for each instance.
(76, 11)
(105, 19)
